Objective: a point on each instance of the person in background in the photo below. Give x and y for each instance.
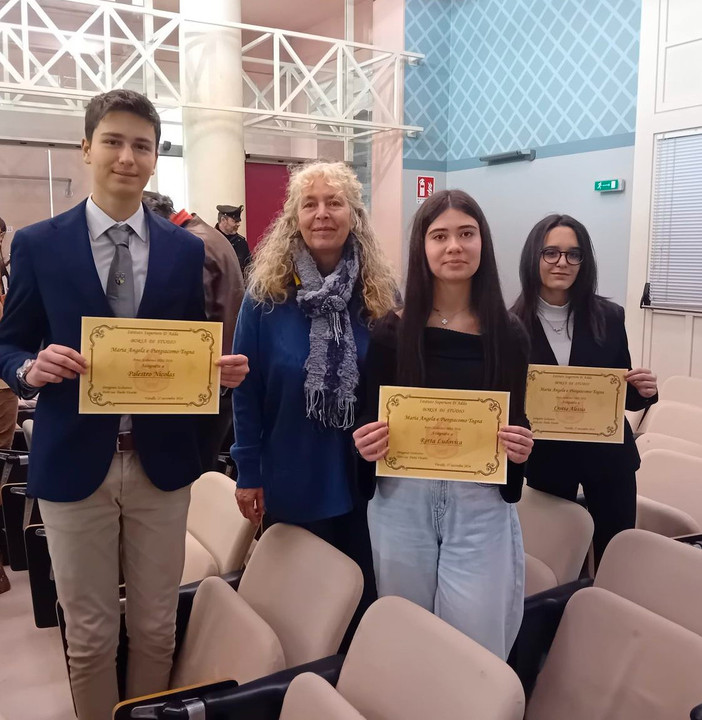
(113, 490)
(8, 400)
(570, 324)
(454, 548)
(228, 222)
(224, 291)
(318, 281)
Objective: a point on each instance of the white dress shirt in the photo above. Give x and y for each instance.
(553, 320)
(103, 250)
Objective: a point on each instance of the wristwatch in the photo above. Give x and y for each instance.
(27, 391)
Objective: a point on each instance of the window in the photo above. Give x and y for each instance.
(675, 269)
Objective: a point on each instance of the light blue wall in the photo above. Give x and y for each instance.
(427, 24)
(558, 76)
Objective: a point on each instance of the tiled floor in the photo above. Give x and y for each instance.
(33, 677)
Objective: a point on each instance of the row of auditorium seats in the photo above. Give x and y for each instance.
(557, 534)
(628, 648)
(670, 478)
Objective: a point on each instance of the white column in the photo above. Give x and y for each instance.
(213, 140)
(386, 163)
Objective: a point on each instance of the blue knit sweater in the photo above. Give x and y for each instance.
(305, 469)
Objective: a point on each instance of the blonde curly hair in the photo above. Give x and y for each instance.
(272, 271)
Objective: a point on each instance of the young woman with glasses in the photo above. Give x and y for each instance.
(569, 324)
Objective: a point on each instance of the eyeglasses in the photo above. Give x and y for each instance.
(552, 255)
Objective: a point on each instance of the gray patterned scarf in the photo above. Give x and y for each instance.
(332, 365)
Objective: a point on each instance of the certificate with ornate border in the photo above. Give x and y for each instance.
(583, 404)
(155, 367)
(444, 434)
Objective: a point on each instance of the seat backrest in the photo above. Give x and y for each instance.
(310, 697)
(657, 441)
(198, 564)
(225, 640)
(216, 523)
(612, 658)
(538, 576)
(28, 429)
(673, 479)
(684, 389)
(677, 419)
(557, 532)
(657, 573)
(304, 588)
(664, 519)
(405, 663)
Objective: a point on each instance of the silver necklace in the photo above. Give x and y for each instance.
(447, 320)
(558, 329)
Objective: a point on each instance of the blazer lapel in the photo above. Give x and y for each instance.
(581, 349)
(542, 352)
(75, 262)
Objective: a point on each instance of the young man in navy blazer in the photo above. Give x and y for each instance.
(113, 490)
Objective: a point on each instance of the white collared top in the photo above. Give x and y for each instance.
(103, 248)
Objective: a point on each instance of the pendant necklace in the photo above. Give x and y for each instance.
(447, 320)
(558, 329)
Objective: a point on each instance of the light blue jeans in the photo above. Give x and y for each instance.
(454, 548)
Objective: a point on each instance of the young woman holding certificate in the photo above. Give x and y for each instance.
(569, 324)
(452, 547)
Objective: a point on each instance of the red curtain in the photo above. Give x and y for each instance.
(265, 195)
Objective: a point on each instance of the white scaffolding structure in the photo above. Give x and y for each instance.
(53, 58)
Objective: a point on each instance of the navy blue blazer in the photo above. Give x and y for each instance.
(54, 284)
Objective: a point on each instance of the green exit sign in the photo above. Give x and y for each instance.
(609, 185)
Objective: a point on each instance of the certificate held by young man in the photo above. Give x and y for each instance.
(152, 367)
(444, 434)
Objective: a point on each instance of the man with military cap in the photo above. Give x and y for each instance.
(228, 221)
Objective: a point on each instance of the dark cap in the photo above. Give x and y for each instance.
(230, 210)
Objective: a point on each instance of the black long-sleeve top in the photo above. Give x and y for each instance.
(453, 360)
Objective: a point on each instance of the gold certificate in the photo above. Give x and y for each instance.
(153, 367)
(576, 403)
(444, 434)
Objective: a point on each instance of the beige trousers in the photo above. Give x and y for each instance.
(127, 514)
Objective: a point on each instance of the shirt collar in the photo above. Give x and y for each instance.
(99, 221)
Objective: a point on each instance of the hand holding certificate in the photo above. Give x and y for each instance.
(576, 403)
(444, 434)
(150, 366)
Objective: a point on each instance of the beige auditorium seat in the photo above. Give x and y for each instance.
(218, 536)
(660, 574)
(684, 389)
(28, 429)
(310, 697)
(612, 658)
(404, 663)
(304, 588)
(294, 603)
(677, 419)
(670, 493)
(656, 441)
(557, 534)
(225, 640)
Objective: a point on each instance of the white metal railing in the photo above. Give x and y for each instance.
(342, 87)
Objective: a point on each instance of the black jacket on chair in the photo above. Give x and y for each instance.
(549, 459)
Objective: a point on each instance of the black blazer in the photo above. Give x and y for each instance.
(550, 459)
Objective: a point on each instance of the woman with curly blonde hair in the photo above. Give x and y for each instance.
(318, 281)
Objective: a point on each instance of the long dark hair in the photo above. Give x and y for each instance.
(485, 297)
(584, 302)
